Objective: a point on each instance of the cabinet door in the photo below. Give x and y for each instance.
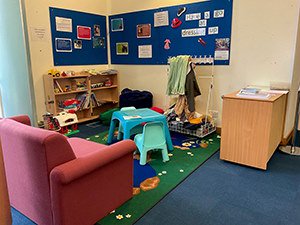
(246, 128)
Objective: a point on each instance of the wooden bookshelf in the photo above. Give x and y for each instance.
(59, 89)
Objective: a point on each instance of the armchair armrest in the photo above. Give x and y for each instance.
(86, 189)
(21, 119)
(79, 167)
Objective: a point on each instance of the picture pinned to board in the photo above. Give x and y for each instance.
(176, 23)
(122, 48)
(181, 11)
(77, 44)
(63, 45)
(117, 24)
(98, 42)
(84, 33)
(202, 42)
(97, 30)
(63, 24)
(143, 30)
(167, 44)
(222, 49)
(161, 19)
(145, 51)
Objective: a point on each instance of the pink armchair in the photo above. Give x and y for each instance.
(55, 180)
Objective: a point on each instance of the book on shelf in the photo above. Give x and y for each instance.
(84, 101)
(94, 100)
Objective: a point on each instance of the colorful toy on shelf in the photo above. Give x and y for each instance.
(70, 105)
(54, 73)
(68, 123)
(81, 85)
(67, 88)
(108, 82)
(97, 85)
(50, 122)
(68, 73)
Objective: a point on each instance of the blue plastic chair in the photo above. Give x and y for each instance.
(153, 137)
(135, 130)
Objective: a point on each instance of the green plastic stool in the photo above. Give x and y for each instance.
(153, 137)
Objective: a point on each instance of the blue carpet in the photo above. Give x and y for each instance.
(141, 173)
(20, 219)
(224, 193)
(89, 129)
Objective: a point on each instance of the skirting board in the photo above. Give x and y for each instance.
(284, 140)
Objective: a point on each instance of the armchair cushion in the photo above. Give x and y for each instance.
(83, 147)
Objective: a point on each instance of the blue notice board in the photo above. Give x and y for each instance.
(205, 30)
(78, 38)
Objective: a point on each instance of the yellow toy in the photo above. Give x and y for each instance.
(54, 73)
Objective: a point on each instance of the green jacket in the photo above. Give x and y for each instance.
(177, 76)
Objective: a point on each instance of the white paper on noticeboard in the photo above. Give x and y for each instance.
(222, 55)
(161, 19)
(63, 24)
(145, 51)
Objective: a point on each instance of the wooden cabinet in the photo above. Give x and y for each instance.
(251, 129)
(101, 90)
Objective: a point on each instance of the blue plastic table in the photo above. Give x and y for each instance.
(145, 115)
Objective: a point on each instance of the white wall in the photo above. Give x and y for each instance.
(295, 83)
(41, 52)
(263, 47)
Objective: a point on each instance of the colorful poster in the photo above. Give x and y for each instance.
(122, 48)
(143, 30)
(161, 19)
(222, 49)
(145, 51)
(63, 45)
(98, 42)
(117, 24)
(63, 24)
(97, 30)
(84, 33)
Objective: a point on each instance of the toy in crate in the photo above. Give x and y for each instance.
(201, 128)
(68, 123)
